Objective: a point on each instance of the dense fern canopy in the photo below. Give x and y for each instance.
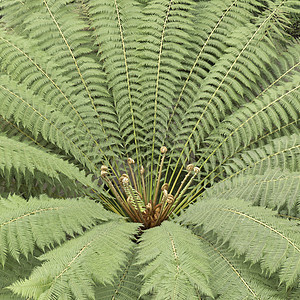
(149, 150)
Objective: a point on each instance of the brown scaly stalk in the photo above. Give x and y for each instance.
(189, 168)
(170, 201)
(165, 197)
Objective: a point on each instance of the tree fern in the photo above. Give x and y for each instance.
(149, 150)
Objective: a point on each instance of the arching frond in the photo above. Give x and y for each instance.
(14, 270)
(277, 108)
(41, 118)
(234, 279)
(165, 38)
(166, 253)
(127, 284)
(223, 89)
(24, 162)
(275, 189)
(44, 222)
(213, 20)
(282, 152)
(72, 269)
(255, 232)
(115, 28)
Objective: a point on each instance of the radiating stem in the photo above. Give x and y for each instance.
(163, 150)
(196, 170)
(128, 190)
(142, 171)
(130, 161)
(118, 197)
(170, 202)
(189, 168)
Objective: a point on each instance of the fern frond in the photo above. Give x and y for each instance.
(174, 265)
(255, 232)
(223, 89)
(38, 112)
(235, 279)
(282, 152)
(42, 75)
(72, 269)
(115, 24)
(275, 189)
(14, 270)
(165, 36)
(127, 284)
(13, 131)
(276, 109)
(24, 161)
(44, 222)
(212, 20)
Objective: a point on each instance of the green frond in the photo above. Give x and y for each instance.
(275, 189)
(44, 222)
(255, 232)
(212, 20)
(276, 109)
(54, 127)
(233, 278)
(115, 27)
(39, 68)
(223, 89)
(14, 270)
(24, 163)
(165, 37)
(174, 263)
(282, 152)
(127, 284)
(72, 269)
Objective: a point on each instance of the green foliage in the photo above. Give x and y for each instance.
(72, 268)
(88, 85)
(251, 231)
(23, 222)
(177, 266)
(126, 285)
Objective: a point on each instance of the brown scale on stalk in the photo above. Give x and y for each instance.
(133, 199)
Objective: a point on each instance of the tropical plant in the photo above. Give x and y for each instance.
(149, 150)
